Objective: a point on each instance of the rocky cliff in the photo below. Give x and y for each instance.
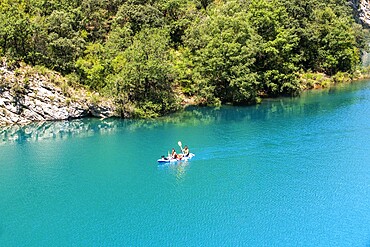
(28, 95)
(362, 11)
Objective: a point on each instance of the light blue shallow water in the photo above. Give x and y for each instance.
(289, 172)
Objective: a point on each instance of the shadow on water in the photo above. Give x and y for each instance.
(308, 104)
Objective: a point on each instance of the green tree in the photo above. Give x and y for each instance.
(92, 67)
(337, 43)
(96, 18)
(139, 15)
(277, 61)
(119, 39)
(66, 42)
(15, 31)
(224, 49)
(143, 74)
(178, 16)
(327, 34)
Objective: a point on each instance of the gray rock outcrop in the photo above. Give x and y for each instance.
(362, 11)
(28, 96)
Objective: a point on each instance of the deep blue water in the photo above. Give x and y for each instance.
(288, 172)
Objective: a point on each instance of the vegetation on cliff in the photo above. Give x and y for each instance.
(37, 94)
(145, 53)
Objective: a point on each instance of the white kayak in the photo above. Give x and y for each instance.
(171, 160)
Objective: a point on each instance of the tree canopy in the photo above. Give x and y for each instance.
(144, 53)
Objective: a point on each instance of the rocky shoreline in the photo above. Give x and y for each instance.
(362, 8)
(26, 95)
(31, 95)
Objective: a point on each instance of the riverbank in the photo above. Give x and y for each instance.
(310, 81)
(29, 94)
(33, 94)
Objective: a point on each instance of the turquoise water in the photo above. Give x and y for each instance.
(288, 172)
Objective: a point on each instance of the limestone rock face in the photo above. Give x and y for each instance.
(27, 96)
(362, 11)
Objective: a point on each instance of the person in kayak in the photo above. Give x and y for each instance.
(186, 151)
(164, 158)
(173, 154)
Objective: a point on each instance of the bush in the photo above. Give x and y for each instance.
(342, 77)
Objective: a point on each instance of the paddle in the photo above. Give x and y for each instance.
(180, 144)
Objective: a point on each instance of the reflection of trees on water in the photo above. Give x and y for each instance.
(309, 104)
(38, 131)
(55, 130)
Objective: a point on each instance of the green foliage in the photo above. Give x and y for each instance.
(337, 50)
(119, 39)
(143, 51)
(15, 31)
(366, 71)
(143, 74)
(139, 14)
(183, 69)
(342, 77)
(64, 42)
(276, 60)
(224, 50)
(314, 80)
(91, 67)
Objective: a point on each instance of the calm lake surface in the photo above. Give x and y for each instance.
(288, 172)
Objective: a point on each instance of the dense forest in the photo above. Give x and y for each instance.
(145, 53)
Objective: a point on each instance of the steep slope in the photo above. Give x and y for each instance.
(362, 11)
(27, 95)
